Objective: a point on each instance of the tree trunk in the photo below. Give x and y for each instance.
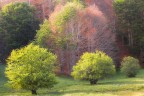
(34, 92)
(93, 81)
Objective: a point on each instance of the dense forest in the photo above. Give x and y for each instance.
(71, 28)
(89, 40)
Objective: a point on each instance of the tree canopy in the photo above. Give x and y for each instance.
(93, 66)
(17, 26)
(130, 66)
(31, 68)
(131, 21)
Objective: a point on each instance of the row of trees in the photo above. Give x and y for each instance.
(32, 67)
(130, 22)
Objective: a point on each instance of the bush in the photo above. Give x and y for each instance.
(31, 68)
(130, 66)
(93, 66)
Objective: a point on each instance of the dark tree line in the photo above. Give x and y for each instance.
(130, 21)
(18, 26)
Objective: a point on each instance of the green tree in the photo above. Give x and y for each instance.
(43, 34)
(53, 31)
(130, 66)
(17, 26)
(60, 19)
(30, 68)
(131, 22)
(93, 66)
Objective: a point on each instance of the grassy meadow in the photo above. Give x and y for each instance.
(118, 85)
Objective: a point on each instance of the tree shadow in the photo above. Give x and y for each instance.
(120, 82)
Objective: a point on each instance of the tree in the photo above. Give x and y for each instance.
(130, 66)
(17, 26)
(93, 66)
(59, 22)
(131, 22)
(43, 34)
(31, 68)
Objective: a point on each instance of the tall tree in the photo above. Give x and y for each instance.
(131, 21)
(17, 27)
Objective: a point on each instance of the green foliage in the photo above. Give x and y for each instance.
(130, 21)
(60, 19)
(31, 68)
(93, 66)
(79, 1)
(130, 66)
(67, 13)
(17, 26)
(117, 85)
(43, 34)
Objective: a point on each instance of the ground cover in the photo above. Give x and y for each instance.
(118, 85)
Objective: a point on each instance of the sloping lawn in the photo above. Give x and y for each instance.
(118, 85)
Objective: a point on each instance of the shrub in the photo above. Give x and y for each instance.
(31, 68)
(130, 66)
(93, 66)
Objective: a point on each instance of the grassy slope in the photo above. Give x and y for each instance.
(118, 85)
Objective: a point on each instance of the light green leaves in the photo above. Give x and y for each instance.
(30, 68)
(93, 66)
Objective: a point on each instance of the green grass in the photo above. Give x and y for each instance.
(118, 85)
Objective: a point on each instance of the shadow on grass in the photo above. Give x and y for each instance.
(67, 92)
(120, 82)
(93, 89)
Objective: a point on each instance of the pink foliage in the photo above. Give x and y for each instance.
(90, 31)
(93, 28)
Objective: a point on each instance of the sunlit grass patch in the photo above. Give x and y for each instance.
(118, 85)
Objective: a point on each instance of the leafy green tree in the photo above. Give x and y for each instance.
(31, 68)
(93, 66)
(17, 26)
(130, 66)
(131, 22)
(60, 19)
(43, 34)
(53, 32)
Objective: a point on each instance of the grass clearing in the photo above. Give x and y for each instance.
(118, 85)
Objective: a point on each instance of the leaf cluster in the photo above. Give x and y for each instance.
(130, 66)
(130, 18)
(17, 26)
(30, 68)
(67, 13)
(93, 66)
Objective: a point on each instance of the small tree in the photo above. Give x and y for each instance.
(93, 66)
(31, 68)
(130, 66)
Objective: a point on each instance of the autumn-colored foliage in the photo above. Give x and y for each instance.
(86, 29)
(89, 28)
